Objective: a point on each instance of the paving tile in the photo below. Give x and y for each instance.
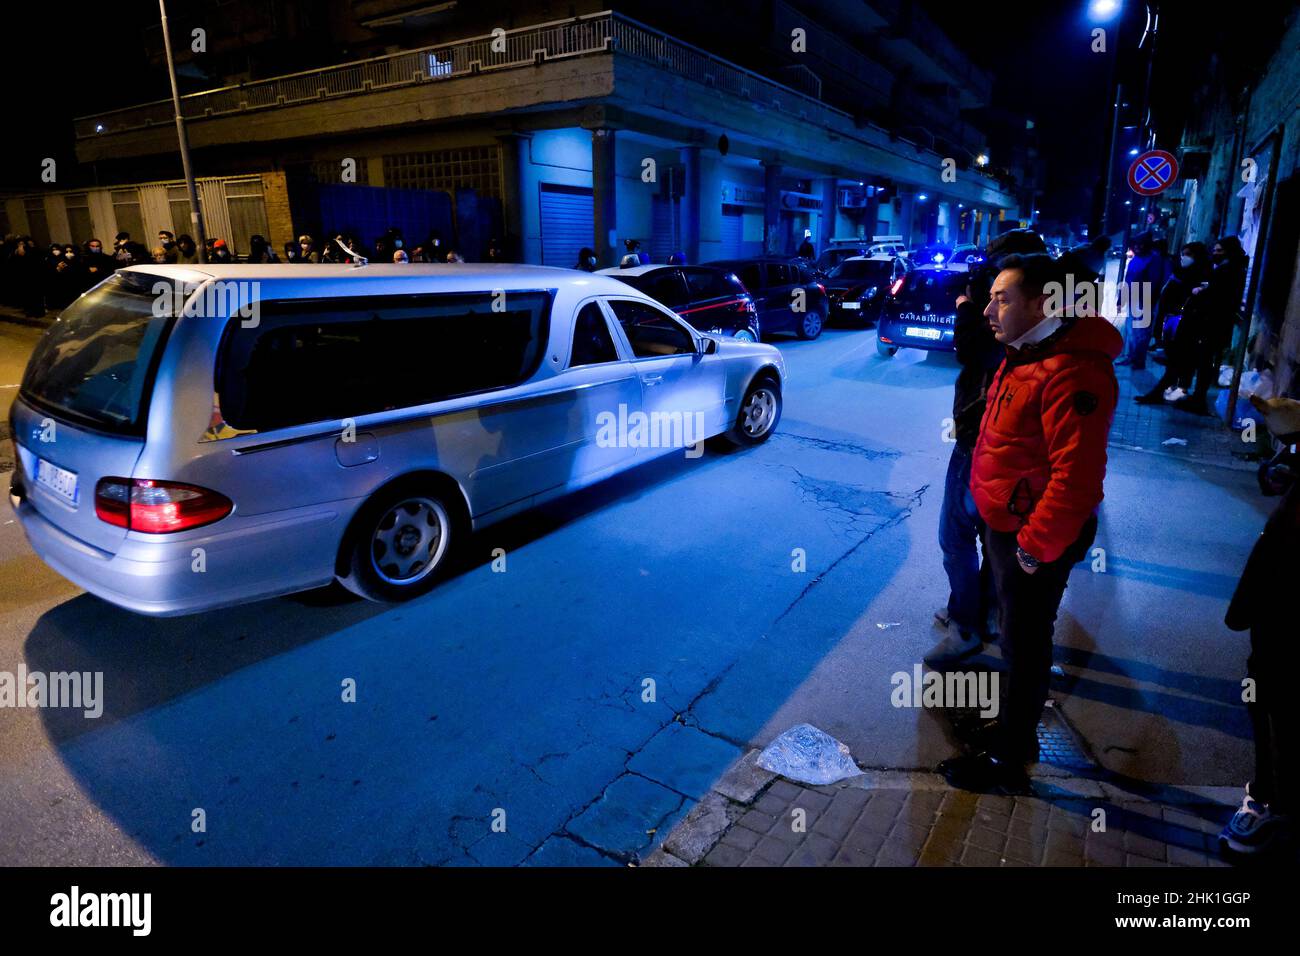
(986, 839)
(977, 856)
(771, 851)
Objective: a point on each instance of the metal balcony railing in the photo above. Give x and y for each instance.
(593, 34)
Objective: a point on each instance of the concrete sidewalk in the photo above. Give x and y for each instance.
(891, 818)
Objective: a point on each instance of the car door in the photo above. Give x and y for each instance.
(606, 390)
(682, 391)
(780, 297)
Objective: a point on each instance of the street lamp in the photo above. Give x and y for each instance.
(196, 214)
(1101, 11)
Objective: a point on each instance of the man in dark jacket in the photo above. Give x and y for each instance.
(1036, 476)
(979, 354)
(1262, 603)
(1217, 306)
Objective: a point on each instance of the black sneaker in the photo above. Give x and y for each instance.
(984, 773)
(979, 735)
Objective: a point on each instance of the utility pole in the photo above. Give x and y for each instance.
(1114, 130)
(196, 213)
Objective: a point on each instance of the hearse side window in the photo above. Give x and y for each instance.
(592, 343)
(651, 333)
(317, 360)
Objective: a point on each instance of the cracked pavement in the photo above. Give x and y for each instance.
(647, 633)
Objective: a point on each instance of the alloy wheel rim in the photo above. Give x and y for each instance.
(409, 541)
(760, 412)
(812, 324)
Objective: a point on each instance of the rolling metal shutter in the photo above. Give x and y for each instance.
(567, 223)
(732, 233)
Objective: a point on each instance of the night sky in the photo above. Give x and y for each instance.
(61, 66)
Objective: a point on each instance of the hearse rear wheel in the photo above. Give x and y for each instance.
(399, 545)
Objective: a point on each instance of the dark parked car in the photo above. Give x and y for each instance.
(712, 300)
(920, 314)
(836, 253)
(787, 294)
(857, 287)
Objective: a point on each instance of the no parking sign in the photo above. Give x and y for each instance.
(1153, 172)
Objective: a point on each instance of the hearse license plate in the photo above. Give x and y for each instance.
(58, 480)
(924, 333)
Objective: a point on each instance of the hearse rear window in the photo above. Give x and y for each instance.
(329, 359)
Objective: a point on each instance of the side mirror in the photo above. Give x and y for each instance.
(708, 346)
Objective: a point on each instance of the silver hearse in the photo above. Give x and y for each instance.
(194, 437)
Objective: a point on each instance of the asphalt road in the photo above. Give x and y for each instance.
(644, 633)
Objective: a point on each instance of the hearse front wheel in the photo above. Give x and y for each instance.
(399, 544)
(760, 410)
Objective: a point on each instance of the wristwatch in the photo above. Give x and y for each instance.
(1027, 560)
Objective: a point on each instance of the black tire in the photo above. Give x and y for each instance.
(886, 351)
(400, 543)
(743, 432)
(810, 325)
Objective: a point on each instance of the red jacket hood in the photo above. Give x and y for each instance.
(1090, 333)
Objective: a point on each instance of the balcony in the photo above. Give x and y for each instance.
(399, 81)
(591, 35)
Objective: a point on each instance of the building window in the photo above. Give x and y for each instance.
(472, 167)
(79, 224)
(178, 202)
(38, 227)
(126, 210)
(247, 210)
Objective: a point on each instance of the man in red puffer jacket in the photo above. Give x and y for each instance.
(1036, 477)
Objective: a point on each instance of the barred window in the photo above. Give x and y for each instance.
(246, 207)
(38, 226)
(126, 209)
(473, 167)
(178, 202)
(79, 226)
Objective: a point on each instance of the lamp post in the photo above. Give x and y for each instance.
(196, 213)
(1102, 11)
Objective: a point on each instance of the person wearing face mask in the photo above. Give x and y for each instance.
(96, 265)
(1192, 269)
(221, 252)
(65, 283)
(1214, 305)
(166, 240)
(586, 260)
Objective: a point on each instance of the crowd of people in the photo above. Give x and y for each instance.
(39, 280)
(1191, 320)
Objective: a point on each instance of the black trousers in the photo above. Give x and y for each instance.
(1028, 604)
(1272, 662)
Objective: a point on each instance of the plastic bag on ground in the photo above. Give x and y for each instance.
(805, 754)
